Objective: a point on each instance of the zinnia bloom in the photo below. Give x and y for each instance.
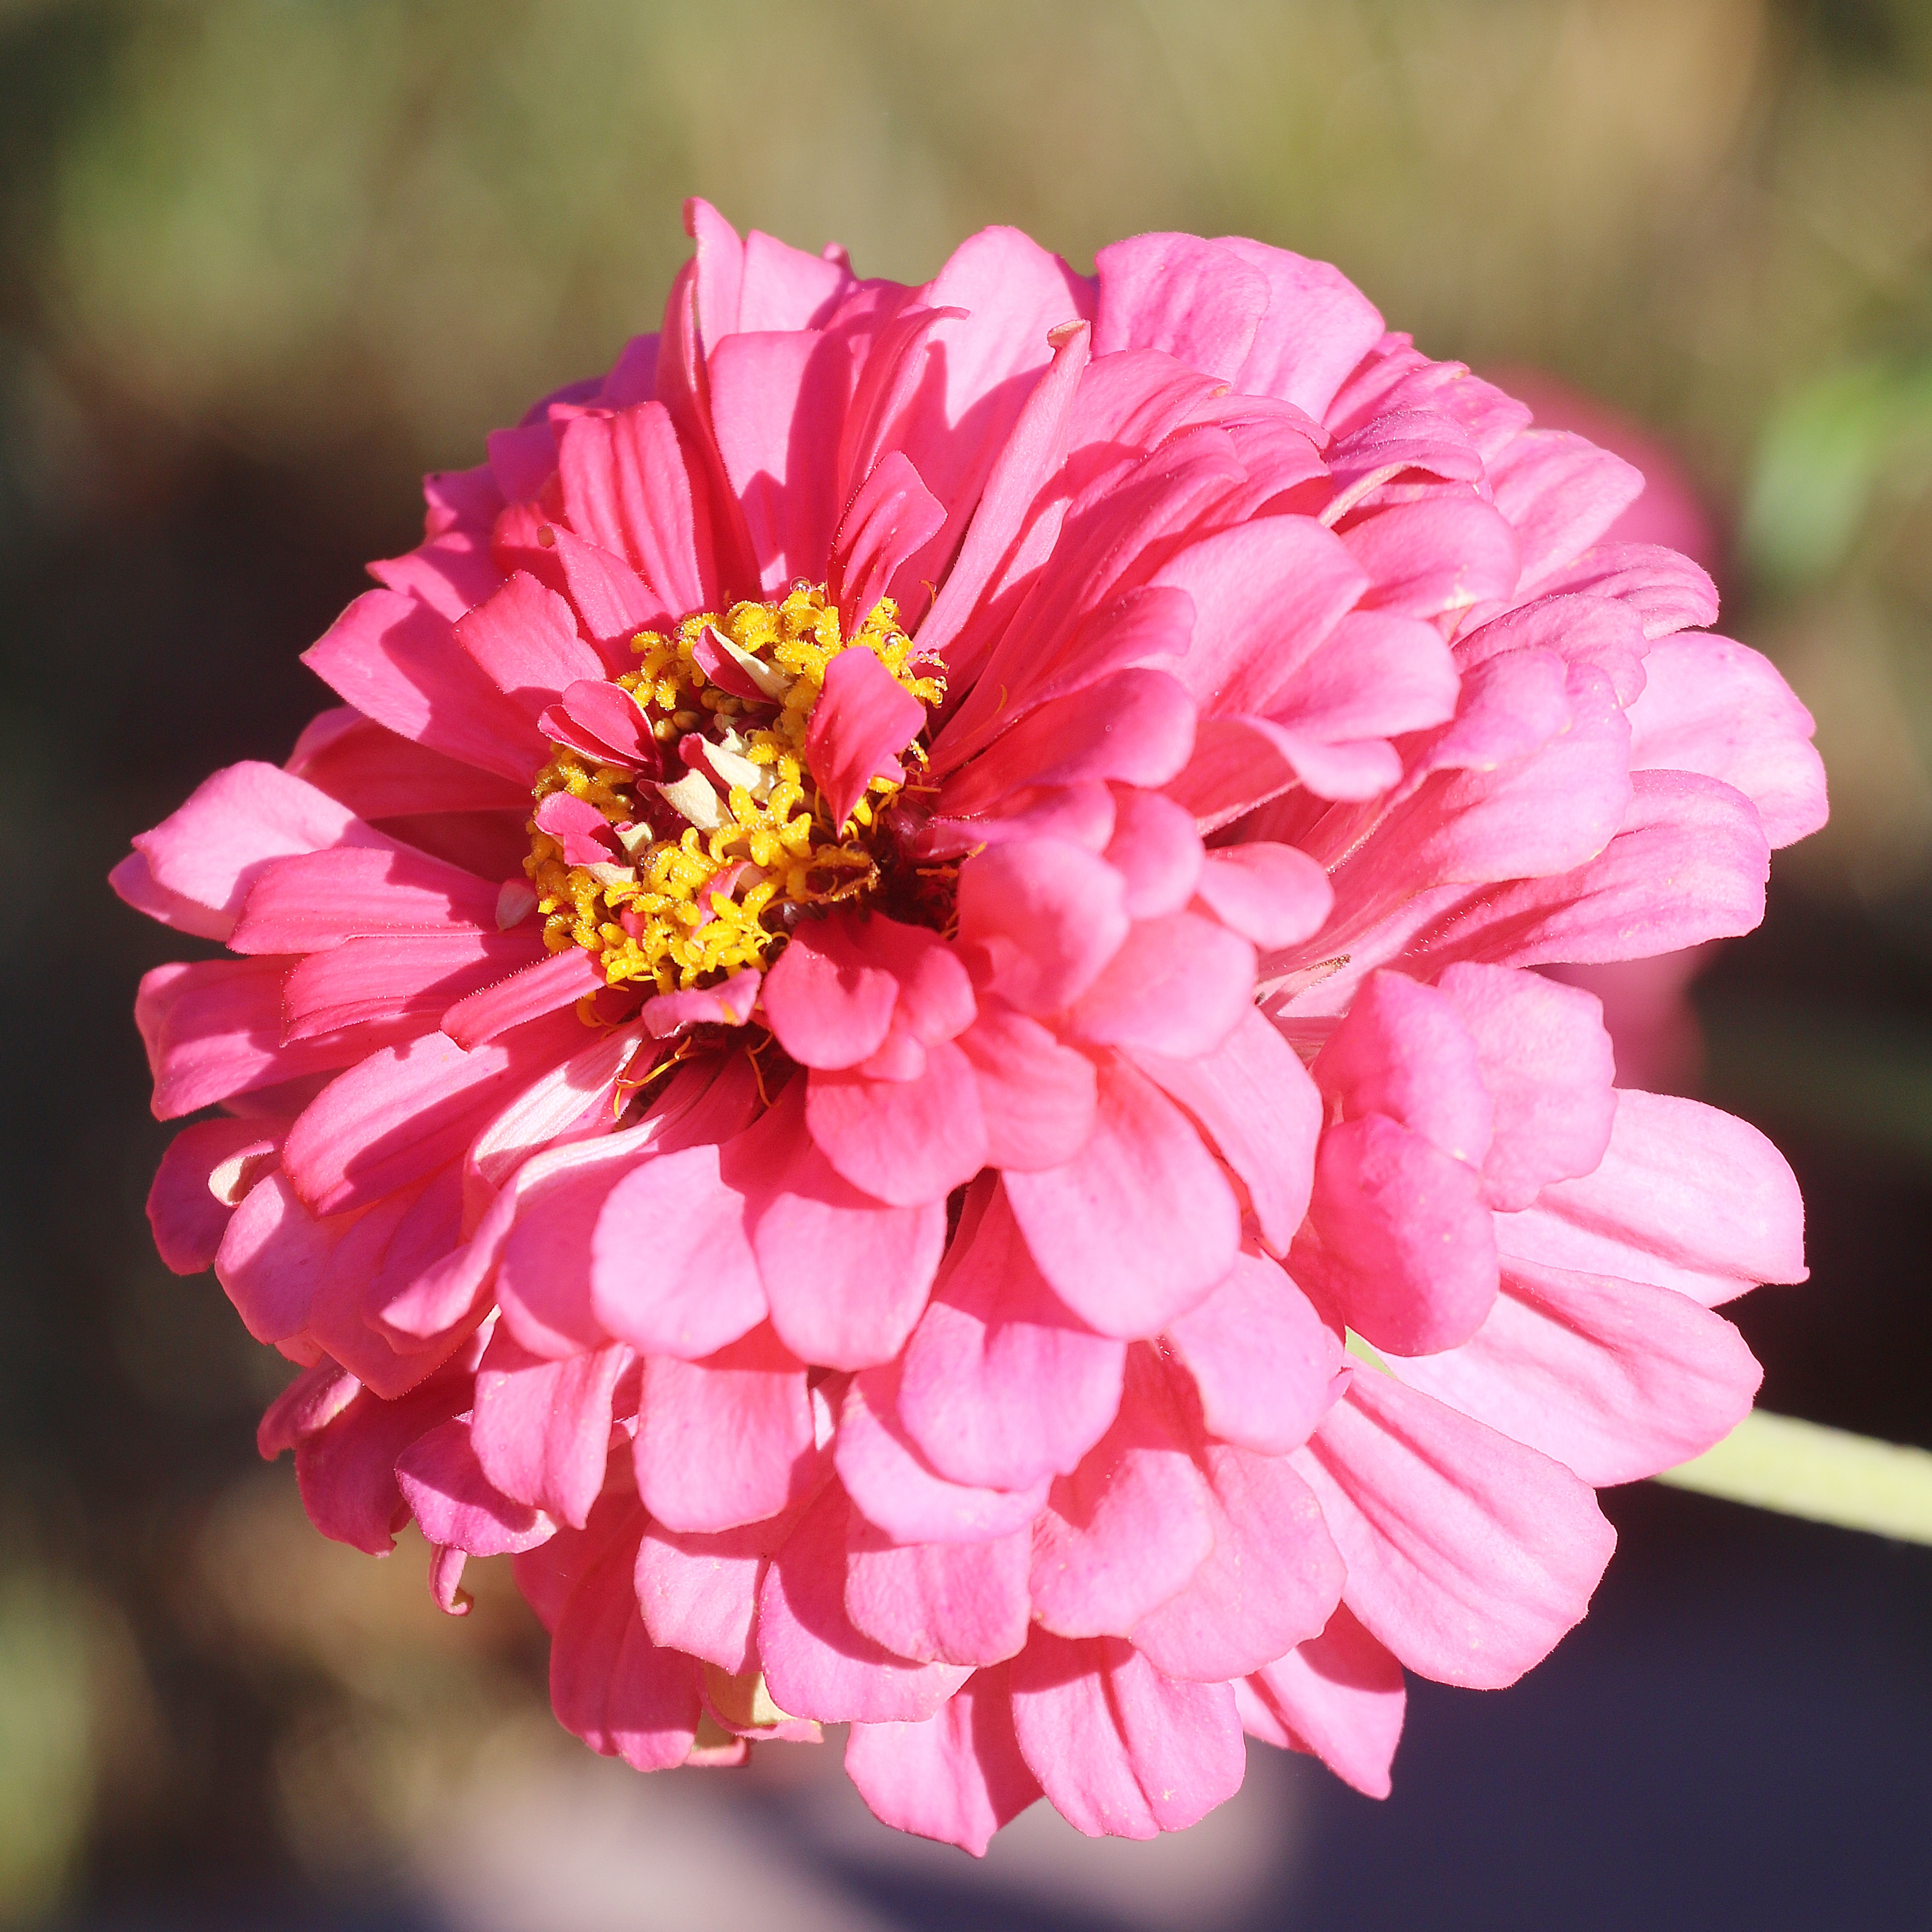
(894, 1033)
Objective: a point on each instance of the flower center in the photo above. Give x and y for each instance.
(680, 831)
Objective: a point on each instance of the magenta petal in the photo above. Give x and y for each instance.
(609, 1683)
(1122, 1751)
(945, 1602)
(1003, 1384)
(625, 486)
(1272, 1580)
(863, 719)
(672, 1270)
(1263, 1362)
(1139, 1226)
(524, 639)
(1339, 1697)
(727, 1441)
(1126, 1530)
(894, 1487)
(557, 980)
(455, 1503)
(816, 1665)
(728, 1003)
(699, 1594)
(905, 1141)
(541, 1430)
(1469, 1555)
(958, 1777)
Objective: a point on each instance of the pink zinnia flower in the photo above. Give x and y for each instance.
(922, 902)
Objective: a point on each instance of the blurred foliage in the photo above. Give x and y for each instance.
(261, 260)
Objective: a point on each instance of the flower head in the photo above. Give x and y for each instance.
(893, 1035)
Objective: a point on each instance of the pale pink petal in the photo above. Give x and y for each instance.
(1442, 553)
(958, 1777)
(1318, 326)
(1469, 1556)
(1339, 1697)
(1562, 493)
(728, 1003)
(1270, 894)
(1036, 1096)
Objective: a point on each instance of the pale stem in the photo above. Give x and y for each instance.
(1827, 1475)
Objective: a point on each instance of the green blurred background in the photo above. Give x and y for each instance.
(263, 262)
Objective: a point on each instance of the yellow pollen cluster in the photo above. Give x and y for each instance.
(699, 901)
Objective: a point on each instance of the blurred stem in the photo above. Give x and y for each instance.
(1826, 1475)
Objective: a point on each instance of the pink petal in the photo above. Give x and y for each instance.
(726, 1441)
(572, 1101)
(188, 1215)
(892, 1484)
(1469, 1556)
(608, 717)
(816, 1663)
(829, 997)
(946, 1602)
(1177, 986)
(1048, 915)
(1615, 1379)
(1036, 1096)
(625, 486)
(580, 829)
(1125, 1531)
(1195, 300)
(609, 1683)
(1139, 1226)
(1668, 591)
(893, 517)
(1270, 894)
(1339, 1697)
(612, 603)
(1262, 1361)
(1255, 1100)
(454, 1502)
(1319, 326)
(378, 775)
(272, 1259)
(1271, 1581)
(1561, 492)
(1156, 850)
(958, 1777)
(524, 639)
(699, 1594)
(307, 904)
(541, 1430)
(385, 976)
(1686, 1197)
(728, 1003)
(558, 980)
(863, 719)
(1443, 553)
(1120, 1751)
(1003, 1385)
(904, 1141)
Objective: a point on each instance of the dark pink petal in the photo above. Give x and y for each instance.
(272, 1257)
(845, 1275)
(1615, 1379)
(309, 1404)
(1339, 1697)
(612, 603)
(1139, 1226)
(1713, 706)
(1003, 1385)
(1047, 915)
(1258, 1104)
(1036, 1096)
(206, 855)
(198, 1186)
(1125, 1531)
(1263, 1362)
(580, 829)
(672, 1270)
(893, 517)
(398, 661)
(454, 1502)
(608, 716)
(1271, 1581)
(816, 1663)
(699, 1594)
(863, 719)
(1265, 595)
(1547, 1064)
(1270, 894)
(1401, 1246)
(828, 999)
(524, 639)
(541, 1430)
(387, 975)
(406, 1111)
(306, 905)
(904, 1141)
(726, 1441)
(547, 1575)
(1196, 300)
(1239, 762)
(1686, 1197)
(609, 1683)
(894, 1487)
(1178, 986)
(558, 980)
(1122, 1751)
(1469, 1556)
(958, 1777)
(946, 1602)
(625, 486)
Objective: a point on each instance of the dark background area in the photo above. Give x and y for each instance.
(261, 263)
